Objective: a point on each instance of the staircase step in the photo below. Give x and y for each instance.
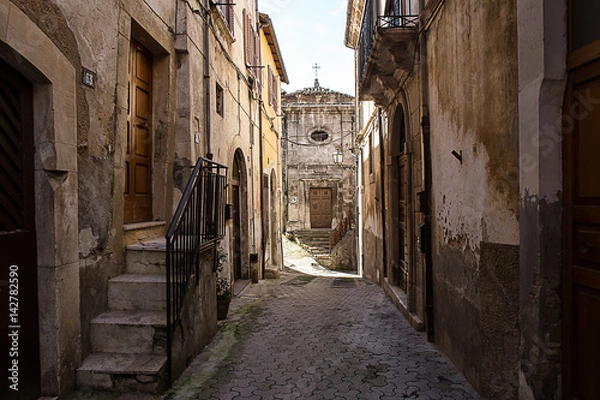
(147, 257)
(137, 292)
(123, 372)
(129, 331)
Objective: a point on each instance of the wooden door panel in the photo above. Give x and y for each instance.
(587, 167)
(142, 109)
(138, 163)
(142, 145)
(141, 181)
(588, 250)
(143, 68)
(320, 208)
(587, 326)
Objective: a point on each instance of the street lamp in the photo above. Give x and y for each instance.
(338, 157)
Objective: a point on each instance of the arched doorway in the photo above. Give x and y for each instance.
(273, 219)
(398, 265)
(20, 334)
(239, 237)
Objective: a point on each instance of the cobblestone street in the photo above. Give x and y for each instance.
(315, 337)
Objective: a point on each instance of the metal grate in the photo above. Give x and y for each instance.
(344, 283)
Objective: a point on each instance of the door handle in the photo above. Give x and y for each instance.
(143, 125)
(585, 247)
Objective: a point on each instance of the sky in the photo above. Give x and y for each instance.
(309, 32)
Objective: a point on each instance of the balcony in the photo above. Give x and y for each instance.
(386, 55)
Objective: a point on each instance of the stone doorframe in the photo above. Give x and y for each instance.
(56, 193)
(336, 204)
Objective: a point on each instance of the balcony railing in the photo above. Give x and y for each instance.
(397, 21)
(198, 223)
(372, 26)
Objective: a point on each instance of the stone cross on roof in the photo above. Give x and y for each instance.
(316, 67)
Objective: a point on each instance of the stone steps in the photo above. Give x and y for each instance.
(317, 244)
(124, 372)
(138, 292)
(143, 332)
(129, 340)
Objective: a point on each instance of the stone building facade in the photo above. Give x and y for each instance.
(319, 165)
(110, 105)
(475, 129)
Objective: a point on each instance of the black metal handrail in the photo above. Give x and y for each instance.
(199, 221)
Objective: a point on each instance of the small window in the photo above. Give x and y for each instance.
(219, 100)
(319, 136)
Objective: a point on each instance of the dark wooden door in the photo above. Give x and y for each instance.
(401, 275)
(138, 161)
(18, 255)
(320, 208)
(237, 233)
(582, 180)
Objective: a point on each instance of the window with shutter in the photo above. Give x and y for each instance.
(271, 87)
(230, 18)
(258, 72)
(227, 12)
(248, 38)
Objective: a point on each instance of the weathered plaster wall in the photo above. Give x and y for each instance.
(372, 227)
(343, 256)
(542, 79)
(472, 62)
(198, 323)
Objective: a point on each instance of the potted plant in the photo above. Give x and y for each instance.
(223, 286)
(223, 297)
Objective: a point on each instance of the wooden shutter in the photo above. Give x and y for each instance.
(231, 18)
(248, 38)
(271, 89)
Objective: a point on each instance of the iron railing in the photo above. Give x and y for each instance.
(336, 235)
(198, 223)
(372, 25)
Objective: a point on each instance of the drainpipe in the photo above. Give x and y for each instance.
(261, 153)
(429, 320)
(207, 82)
(254, 255)
(262, 186)
(382, 187)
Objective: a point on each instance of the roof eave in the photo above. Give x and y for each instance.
(269, 32)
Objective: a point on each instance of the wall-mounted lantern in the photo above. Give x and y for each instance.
(338, 157)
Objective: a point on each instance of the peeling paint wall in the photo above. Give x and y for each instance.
(472, 63)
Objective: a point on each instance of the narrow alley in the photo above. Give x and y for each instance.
(314, 337)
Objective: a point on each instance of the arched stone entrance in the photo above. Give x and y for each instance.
(239, 200)
(54, 134)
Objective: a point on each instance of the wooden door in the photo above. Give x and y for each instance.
(18, 255)
(582, 183)
(320, 208)
(138, 161)
(581, 143)
(237, 233)
(402, 265)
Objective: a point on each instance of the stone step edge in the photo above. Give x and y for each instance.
(157, 319)
(139, 278)
(124, 363)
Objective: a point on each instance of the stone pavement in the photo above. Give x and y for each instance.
(318, 337)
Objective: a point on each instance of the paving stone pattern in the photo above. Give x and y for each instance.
(306, 337)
